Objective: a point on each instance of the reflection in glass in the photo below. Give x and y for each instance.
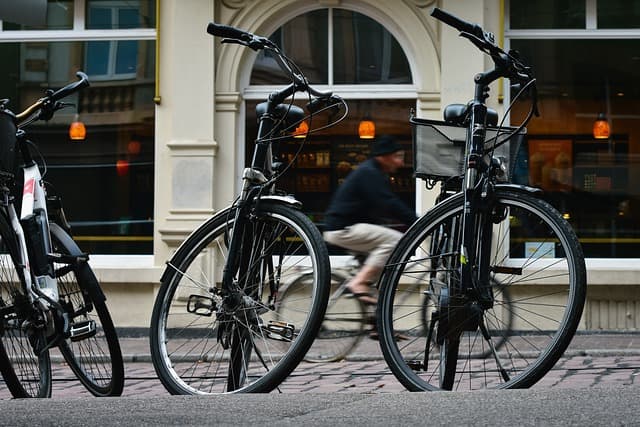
(365, 52)
(59, 17)
(618, 14)
(547, 14)
(106, 181)
(593, 182)
(120, 14)
(304, 39)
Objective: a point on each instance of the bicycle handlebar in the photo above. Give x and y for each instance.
(235, 35)
(457, 23)
(83, 81)
(50, 101)
(507, 64)
(219, 30)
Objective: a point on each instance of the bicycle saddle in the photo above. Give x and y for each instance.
(457, 114)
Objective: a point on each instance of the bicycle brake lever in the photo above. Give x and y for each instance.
(256, 43)
(60, 105)
(235, 41)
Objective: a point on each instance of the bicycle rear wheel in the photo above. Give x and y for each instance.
(199, 349)
(344, 322)
(26, 372)
(535, 255)
(93, 351)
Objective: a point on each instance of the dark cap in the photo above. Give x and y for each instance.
(384, 144)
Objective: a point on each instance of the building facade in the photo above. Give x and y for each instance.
(170, 117)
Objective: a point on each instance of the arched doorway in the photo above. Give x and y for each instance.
(355, 56)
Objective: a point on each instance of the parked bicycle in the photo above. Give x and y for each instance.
(49, 296)
(216, 324)
(488, 237)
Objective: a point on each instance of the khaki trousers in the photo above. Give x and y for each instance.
(375, 240)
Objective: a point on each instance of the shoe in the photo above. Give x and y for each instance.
(397, 337)
(367, 298)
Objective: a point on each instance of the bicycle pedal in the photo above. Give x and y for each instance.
(281, 331)
(82, 330)
(415, 365)
(201, 305)
(67, 259)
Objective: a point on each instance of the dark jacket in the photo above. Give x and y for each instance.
(366, 196)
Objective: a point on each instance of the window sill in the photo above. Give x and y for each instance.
(125, 269)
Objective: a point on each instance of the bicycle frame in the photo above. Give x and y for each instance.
(476, 184)
(34, 212)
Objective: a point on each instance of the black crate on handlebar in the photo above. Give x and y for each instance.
(438, 147)
(8, 141)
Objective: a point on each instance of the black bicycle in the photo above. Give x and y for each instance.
(217, 326)
(49, 296)
(487, 238)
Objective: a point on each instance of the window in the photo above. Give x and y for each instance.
(106, 181)
(362, 52)
(340, 50)
(593, 181)
(116, 59)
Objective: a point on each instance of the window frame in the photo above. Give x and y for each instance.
(80, 33)
(590, 31)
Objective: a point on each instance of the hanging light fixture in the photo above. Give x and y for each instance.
(77, 130)
(601, 129)
(302, 130)
(367, 129)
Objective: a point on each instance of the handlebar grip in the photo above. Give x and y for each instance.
(71, 88)
(455, 22)
(229, 32)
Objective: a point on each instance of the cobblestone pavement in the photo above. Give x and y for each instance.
(592, 361)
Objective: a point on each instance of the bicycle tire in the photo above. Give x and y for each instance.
(529, 235)
(95, 357)
(187, 338)
(343, 327)
(25, 373)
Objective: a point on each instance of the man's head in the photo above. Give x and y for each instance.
(388, 153)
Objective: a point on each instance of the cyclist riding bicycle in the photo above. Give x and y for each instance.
(357, 209)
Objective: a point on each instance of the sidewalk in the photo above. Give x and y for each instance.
(593, 360)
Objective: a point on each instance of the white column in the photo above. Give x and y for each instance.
(185, 145)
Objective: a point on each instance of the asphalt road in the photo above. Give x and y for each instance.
(596, 383)
(546, 407)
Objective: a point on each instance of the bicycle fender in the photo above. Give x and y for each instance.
(283, 200)
(517, 188)
(89, 278)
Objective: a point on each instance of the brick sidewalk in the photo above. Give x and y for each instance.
(592, 361)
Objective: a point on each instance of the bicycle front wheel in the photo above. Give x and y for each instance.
(93, 350)
(535, 256)
(199, 349)
(26, 371)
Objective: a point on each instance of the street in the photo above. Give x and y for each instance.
(597, 383)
